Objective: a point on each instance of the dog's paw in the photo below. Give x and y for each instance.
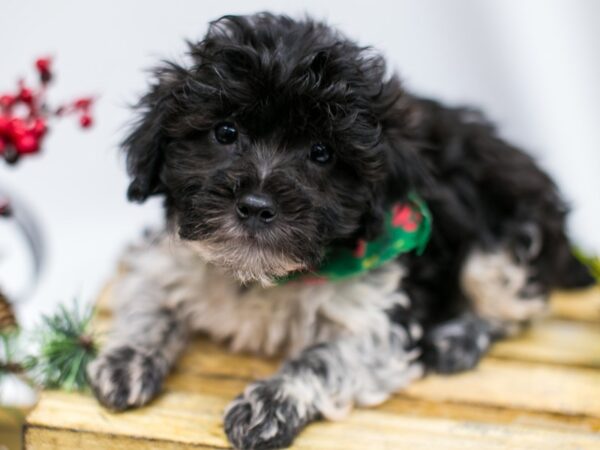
(455, 346)
(266, 416)
(123, 378)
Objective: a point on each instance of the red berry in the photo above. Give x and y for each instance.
(39, 128)
(26, 95)
(16, 128)
(2, 145)
(83, 103)
(43, 65)
(7, 101)
(86, 121)
(27, 143)
(4, 125)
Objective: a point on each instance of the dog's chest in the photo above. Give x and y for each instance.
(287, 318)
(272, 320)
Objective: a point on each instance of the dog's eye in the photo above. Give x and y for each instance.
(320, 153)
(226, 133)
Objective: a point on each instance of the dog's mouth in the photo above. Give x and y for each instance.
(263, 254)
(247, 261)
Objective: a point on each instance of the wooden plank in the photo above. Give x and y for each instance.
(383, 432)
(509, 385)
(12, 417)
(513, 400)
(566, 394)
(180, 417)
(554, 341)
(518, 385)
(40, 438)
(578, 305)
(189, 414)
(11, 423)
(392, 432)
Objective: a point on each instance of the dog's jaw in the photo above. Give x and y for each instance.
(246, 261)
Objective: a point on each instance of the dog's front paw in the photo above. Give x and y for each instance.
(123, 378)
(266, 416)
(456, 346)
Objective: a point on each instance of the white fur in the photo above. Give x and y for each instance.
(493, 281)
(367, 356)
(272, 320)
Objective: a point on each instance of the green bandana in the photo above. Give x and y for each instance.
(407, 227)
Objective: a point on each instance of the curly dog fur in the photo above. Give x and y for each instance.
(279, 139)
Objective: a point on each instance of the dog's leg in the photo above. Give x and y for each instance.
(456, 345)
(325, 380)
(503, 290)
(503, 296)
(130, 369)
(150, 330)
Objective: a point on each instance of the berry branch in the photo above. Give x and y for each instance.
(24, 115)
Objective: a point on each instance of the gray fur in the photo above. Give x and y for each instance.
(315, 125)
(344, 350)
(498, 288)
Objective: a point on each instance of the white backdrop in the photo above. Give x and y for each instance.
(533, 65)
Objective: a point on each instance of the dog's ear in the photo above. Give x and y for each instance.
(400, 118)
(373, 219)
(146, 142)
(404, 167)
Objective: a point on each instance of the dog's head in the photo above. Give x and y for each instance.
(275, 142)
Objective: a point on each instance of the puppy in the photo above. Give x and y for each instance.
(281, 142)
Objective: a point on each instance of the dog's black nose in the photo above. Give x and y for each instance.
(256, 206)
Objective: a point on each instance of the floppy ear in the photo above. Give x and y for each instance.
(405, 174)
(404, 167)
(145, 144)
(401, 117)
(373, 219)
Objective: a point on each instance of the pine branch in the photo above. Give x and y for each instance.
(65, 349)
(13, 368)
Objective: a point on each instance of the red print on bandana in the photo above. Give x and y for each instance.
(403, 216)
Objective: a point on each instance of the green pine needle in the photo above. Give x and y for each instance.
(9, 349)
(65, 349)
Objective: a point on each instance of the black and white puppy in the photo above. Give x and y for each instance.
(280, 139)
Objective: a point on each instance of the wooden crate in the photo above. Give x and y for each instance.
(538, 391)
(11, 423)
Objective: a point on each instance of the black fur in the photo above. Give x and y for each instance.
(287, 84)
(456, 345)
(245, 431)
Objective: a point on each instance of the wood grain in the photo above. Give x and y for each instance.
(11, 421)
(555, 341)
(583, 305)
(189, 414)
(541, 390)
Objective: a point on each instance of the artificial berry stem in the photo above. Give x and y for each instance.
(22, 130)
